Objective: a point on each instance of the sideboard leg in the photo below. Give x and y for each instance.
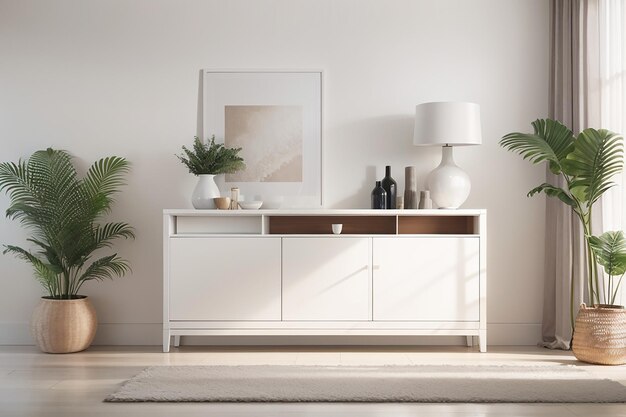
(176, 341)
(469, 341)
(166, 341)
(482, 340)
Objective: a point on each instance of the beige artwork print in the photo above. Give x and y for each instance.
(271, 142)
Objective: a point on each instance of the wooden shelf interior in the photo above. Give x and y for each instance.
(435, 225)
(322, 225)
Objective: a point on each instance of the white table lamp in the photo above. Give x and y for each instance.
(447, 124)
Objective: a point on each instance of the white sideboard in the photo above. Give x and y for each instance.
(283, 272)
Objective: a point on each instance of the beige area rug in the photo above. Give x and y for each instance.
(431, 384)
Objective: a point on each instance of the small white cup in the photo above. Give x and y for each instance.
(337, 228)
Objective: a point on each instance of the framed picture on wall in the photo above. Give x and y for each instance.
(276, 118)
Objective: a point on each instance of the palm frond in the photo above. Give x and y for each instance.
(106, 267)
(46, 274)
(16, 182)
(109, 231)
(610, 251)
(550, 142)
(49, 252)
(104, 178)
(597, 157)
(553, 191)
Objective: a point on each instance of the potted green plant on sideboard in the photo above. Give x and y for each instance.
(587, 163)
(64, 215)
(206, 160)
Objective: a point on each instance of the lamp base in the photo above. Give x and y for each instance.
(449, 185)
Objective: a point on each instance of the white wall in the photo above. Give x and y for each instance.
(121, 77)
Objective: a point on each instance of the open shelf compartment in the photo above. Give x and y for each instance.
(322, 225)
(219, 224)
(437, 225)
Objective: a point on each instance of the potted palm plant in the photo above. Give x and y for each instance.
(207, 160)
(587, 164)
(64, 214)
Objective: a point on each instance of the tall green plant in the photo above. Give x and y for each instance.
(63, 212)
(587, 164)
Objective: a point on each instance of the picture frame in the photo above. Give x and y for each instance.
(275, 116)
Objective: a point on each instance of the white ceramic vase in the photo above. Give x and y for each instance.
(204, 193)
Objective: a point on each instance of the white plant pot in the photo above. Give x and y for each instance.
(204, 193)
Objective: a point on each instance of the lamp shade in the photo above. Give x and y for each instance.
(447, 123)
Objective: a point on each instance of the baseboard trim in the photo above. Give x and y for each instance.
(498, 334)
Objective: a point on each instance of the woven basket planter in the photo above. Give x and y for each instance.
(64, 326)
(600, 335)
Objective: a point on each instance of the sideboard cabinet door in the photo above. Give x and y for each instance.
(426, 278)
(225, 278)
(326, 278)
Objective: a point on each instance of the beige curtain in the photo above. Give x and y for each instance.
(585, 38)
(571, 45)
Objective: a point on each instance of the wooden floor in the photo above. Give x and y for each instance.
(37, 384)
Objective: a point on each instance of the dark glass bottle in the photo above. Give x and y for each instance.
(390, 187)
(379, 197)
